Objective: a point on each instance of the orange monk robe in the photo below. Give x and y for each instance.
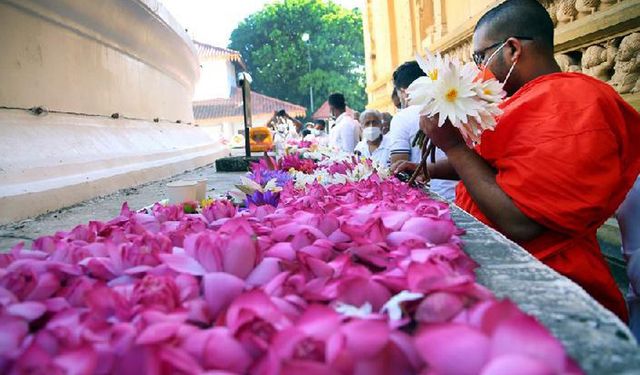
(566, 151)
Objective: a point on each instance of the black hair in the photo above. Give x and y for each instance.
(523, 18)
(321, 123)
(336, 100)
(406, 73)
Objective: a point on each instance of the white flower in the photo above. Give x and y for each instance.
(453, 98)
(353, 311)
(432, 65)
(272, 186)
(490, 90)
(393, 308)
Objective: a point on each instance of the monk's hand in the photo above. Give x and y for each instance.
(445, 137)
(403, 166)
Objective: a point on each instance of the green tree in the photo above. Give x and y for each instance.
(272, 46)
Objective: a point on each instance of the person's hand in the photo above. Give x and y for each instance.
(403, 166)
(445, 137)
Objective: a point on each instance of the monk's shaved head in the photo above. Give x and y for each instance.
(523, 18)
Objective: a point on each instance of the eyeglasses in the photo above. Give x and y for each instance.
(478, 56)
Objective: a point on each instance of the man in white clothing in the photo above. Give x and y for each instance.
(344, 135)
(404, 126)
(374, 144)
(628, 216)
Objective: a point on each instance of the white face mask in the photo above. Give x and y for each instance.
(486, 65)
(371, 133)
(316, 131)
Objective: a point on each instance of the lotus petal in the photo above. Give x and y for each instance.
(220, 289)
(453, 348)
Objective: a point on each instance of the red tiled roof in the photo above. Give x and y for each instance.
(324, 113)
(232, 107)
(209, 51)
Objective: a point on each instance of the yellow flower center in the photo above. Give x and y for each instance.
(433, 74)
(452, 95)
(487, 92)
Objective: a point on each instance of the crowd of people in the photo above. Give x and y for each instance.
(562, 160)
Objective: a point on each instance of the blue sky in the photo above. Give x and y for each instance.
(212, 21)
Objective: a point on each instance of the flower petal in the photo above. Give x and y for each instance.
(453, 348)
(220, 289)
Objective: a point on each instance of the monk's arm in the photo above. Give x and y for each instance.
(442, 170)
(480, 181)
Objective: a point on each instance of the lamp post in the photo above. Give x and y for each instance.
(244, 81)
(305, 39)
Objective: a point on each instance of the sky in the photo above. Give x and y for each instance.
(212, 21)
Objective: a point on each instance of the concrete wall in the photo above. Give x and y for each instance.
(84, 61)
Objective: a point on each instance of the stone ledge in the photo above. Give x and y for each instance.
(591, 334)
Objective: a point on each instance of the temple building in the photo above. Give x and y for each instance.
(217, 105)
(597, 37)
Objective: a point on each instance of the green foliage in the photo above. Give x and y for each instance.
(271, 45)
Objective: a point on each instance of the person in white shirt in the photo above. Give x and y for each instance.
(374, 144)
(404, 127)
(344, 135)
(628, 216)
(318, 133)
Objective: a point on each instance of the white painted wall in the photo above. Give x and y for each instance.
(216, 79)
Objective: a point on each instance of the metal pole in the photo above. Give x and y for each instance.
(310, 86)
(246, 106)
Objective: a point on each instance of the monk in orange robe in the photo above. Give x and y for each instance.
(561, 159)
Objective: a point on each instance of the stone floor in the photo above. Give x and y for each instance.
(107, 207)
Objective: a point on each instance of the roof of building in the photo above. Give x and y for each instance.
(207, 51)
(323, 112)
(232, 107)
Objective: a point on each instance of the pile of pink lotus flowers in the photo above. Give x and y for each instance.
(365, 277)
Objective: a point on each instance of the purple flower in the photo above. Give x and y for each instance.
(260, 199)
(263, 176)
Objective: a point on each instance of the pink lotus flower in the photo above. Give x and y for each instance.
(206, 252)
(254, 291)
(495, 337)
(254, 320)
(160, 292)
(217, 349)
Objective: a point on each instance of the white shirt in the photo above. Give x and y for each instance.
(379, 155)
(404, 126)
(344, 134)
(628, 216)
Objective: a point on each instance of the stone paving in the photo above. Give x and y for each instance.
(592, 335)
